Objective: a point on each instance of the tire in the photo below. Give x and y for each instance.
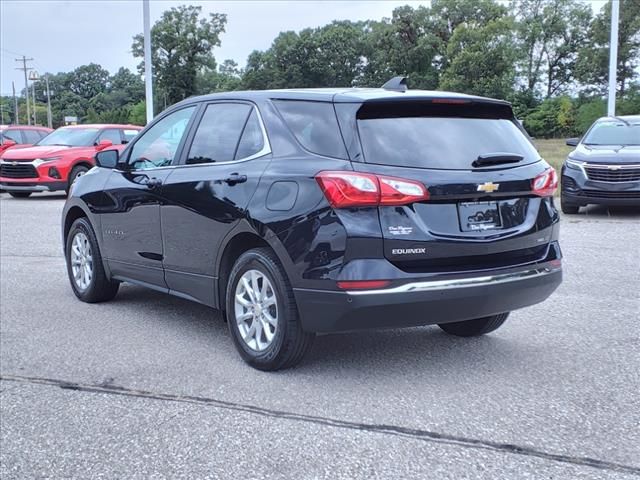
(277, 308)
(568, 208)
(76, 172)
(475, 327)
(20, 194)
(98, 288)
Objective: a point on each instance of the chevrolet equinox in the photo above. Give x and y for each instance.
(298, 212)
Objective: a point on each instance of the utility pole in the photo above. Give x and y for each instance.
(24, 68)
(33, 97)
(613, 57)
(15, 104)
(148, 67)
(49, 119)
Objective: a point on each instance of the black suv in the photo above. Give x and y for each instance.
(323, 210)
(604, 168)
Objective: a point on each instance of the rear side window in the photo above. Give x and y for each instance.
(31, 136)
(111, 134)
(218, 134)
(451, 143)
(252, 140)
(128, 135)
(314, 125)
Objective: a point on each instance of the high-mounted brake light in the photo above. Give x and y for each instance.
(354, 189)
(545, 184)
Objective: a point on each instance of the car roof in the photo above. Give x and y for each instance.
(342, 95)
(626, 118)
(103, 125)
(25, 127)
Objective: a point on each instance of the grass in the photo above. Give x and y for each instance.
(554, 151)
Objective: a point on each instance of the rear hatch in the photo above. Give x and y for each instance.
(479, 169)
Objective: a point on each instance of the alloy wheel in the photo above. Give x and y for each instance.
(81, 261)
(256, 310)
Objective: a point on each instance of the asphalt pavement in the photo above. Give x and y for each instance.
(150, 386)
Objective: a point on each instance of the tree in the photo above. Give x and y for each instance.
(88, 80)
(593, 59)
(182, 45)
(549, 34)
(480, 59)
(403, 45)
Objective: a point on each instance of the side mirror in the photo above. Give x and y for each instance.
(573, 142)
(8, 143)
(107, 158)
(102, 144)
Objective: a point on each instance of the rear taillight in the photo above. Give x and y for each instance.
(354, 189)
(545, 184)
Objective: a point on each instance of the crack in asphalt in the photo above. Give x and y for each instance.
(414, 433)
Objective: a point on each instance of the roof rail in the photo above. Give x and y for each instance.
(398, 84)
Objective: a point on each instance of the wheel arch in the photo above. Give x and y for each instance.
(235, 245)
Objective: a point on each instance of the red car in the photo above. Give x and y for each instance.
(58, 159)
(21, 135)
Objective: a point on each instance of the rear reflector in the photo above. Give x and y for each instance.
(363, 284)
(355, 189)
(545, 184)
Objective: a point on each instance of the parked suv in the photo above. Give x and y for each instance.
(604, 168)
(305, 211)
(58, 159)
(21, 135)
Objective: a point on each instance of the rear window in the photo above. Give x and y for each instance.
(314, 125)
(451, 143)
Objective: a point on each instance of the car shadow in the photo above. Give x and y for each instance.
(603, 211)
(359, 353)
(36, 197)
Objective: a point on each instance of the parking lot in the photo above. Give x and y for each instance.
(150, 385)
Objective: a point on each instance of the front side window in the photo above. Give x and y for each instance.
(315, 126)
(111, 134)
(613, 133)
(13, 135)
(158, 146)
(217, 136)
(71, 137)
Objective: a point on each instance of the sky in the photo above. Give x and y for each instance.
(62, 35)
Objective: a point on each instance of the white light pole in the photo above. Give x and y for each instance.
(613, 57)
(148, 77)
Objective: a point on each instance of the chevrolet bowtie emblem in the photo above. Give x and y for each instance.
(488, 187)
(614, 167)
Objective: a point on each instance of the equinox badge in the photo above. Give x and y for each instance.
(488, 187)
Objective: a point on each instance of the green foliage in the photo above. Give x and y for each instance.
(138, 114)
(182, 45)
(555, 117)
(587, 113)
(593, 61)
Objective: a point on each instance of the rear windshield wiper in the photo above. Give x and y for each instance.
(496, 159)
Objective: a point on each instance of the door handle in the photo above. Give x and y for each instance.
(235, 178)
(153, 182)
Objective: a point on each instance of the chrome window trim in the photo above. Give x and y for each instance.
(436, 285)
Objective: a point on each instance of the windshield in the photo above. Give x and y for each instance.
(613, 133)
(441, 142)
(71, 137)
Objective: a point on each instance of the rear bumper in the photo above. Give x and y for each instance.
(10, 185)
(427, 302)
